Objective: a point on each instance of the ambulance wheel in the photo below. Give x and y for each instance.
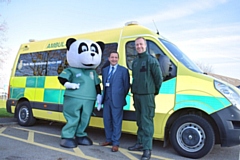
(192, 136)
(24, 114)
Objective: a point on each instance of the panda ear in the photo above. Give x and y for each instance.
(69, 42)
(101, 44)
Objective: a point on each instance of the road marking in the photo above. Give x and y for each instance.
(48, 147)
(2, 129)
(152, 156)
(159, 157)
(30, 137)
(79, 152)
(239, 156)
(75, 151)
(49, 134)
(127, 154)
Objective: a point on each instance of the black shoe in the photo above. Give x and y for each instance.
(136, 147)
(146, 155)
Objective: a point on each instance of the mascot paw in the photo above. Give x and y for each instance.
(99, 98)
(99, 107)
(84, 141)
(68, 143)
(69, 85)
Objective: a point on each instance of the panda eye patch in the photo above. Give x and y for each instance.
(94, 48)
(82, 48)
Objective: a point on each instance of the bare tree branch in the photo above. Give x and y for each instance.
(207, 68)
(4, 51)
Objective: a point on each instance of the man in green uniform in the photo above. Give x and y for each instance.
(147, 80)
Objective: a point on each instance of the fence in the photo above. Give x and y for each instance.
(3, 95)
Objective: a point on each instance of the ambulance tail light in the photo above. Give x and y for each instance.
(8, 94)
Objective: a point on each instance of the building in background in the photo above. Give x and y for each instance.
(233, 81)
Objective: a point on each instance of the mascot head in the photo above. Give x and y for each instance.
(84, 53)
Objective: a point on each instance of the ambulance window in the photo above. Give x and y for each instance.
(31, 64)
(57, 61)
(131, 53)
(45, 63)
(107, 49)
(167, 67)
(153, 49)
(181, 57)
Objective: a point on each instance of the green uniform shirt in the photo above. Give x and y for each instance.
(87, 78)
(147, 75)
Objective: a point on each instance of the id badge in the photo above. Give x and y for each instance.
(107, 84)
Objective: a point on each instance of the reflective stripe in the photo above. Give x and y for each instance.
(208, 104)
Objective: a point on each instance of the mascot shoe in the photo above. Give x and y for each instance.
(84, 141)
(68, 143)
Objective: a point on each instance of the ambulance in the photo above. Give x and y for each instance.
(194, 111)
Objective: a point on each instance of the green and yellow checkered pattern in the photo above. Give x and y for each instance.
(37, 88)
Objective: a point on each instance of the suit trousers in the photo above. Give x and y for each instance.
(145, 111)
(112, 118)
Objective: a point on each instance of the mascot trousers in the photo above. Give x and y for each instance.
(77, 113)
(145, 111)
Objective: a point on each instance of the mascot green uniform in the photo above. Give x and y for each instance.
(82, 89)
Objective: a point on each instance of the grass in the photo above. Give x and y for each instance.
(3, 112)
(2, 103)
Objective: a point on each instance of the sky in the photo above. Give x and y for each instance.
(207, 31)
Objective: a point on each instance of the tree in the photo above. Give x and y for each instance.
(206, 68)
(4, 52)
(3, 28)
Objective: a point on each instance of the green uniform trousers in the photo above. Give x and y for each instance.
(77, 113)
(145, 111)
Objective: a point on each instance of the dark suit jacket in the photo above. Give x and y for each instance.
(120, 83)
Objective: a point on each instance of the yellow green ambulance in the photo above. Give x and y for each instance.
(194, 111)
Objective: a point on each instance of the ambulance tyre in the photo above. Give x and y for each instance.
(24, 114)
(192, 136)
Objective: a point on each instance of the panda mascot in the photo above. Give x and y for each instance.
(82, 90)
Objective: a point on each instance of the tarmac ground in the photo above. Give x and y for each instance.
(8, 121)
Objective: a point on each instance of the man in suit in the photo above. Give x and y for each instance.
(116, 84)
